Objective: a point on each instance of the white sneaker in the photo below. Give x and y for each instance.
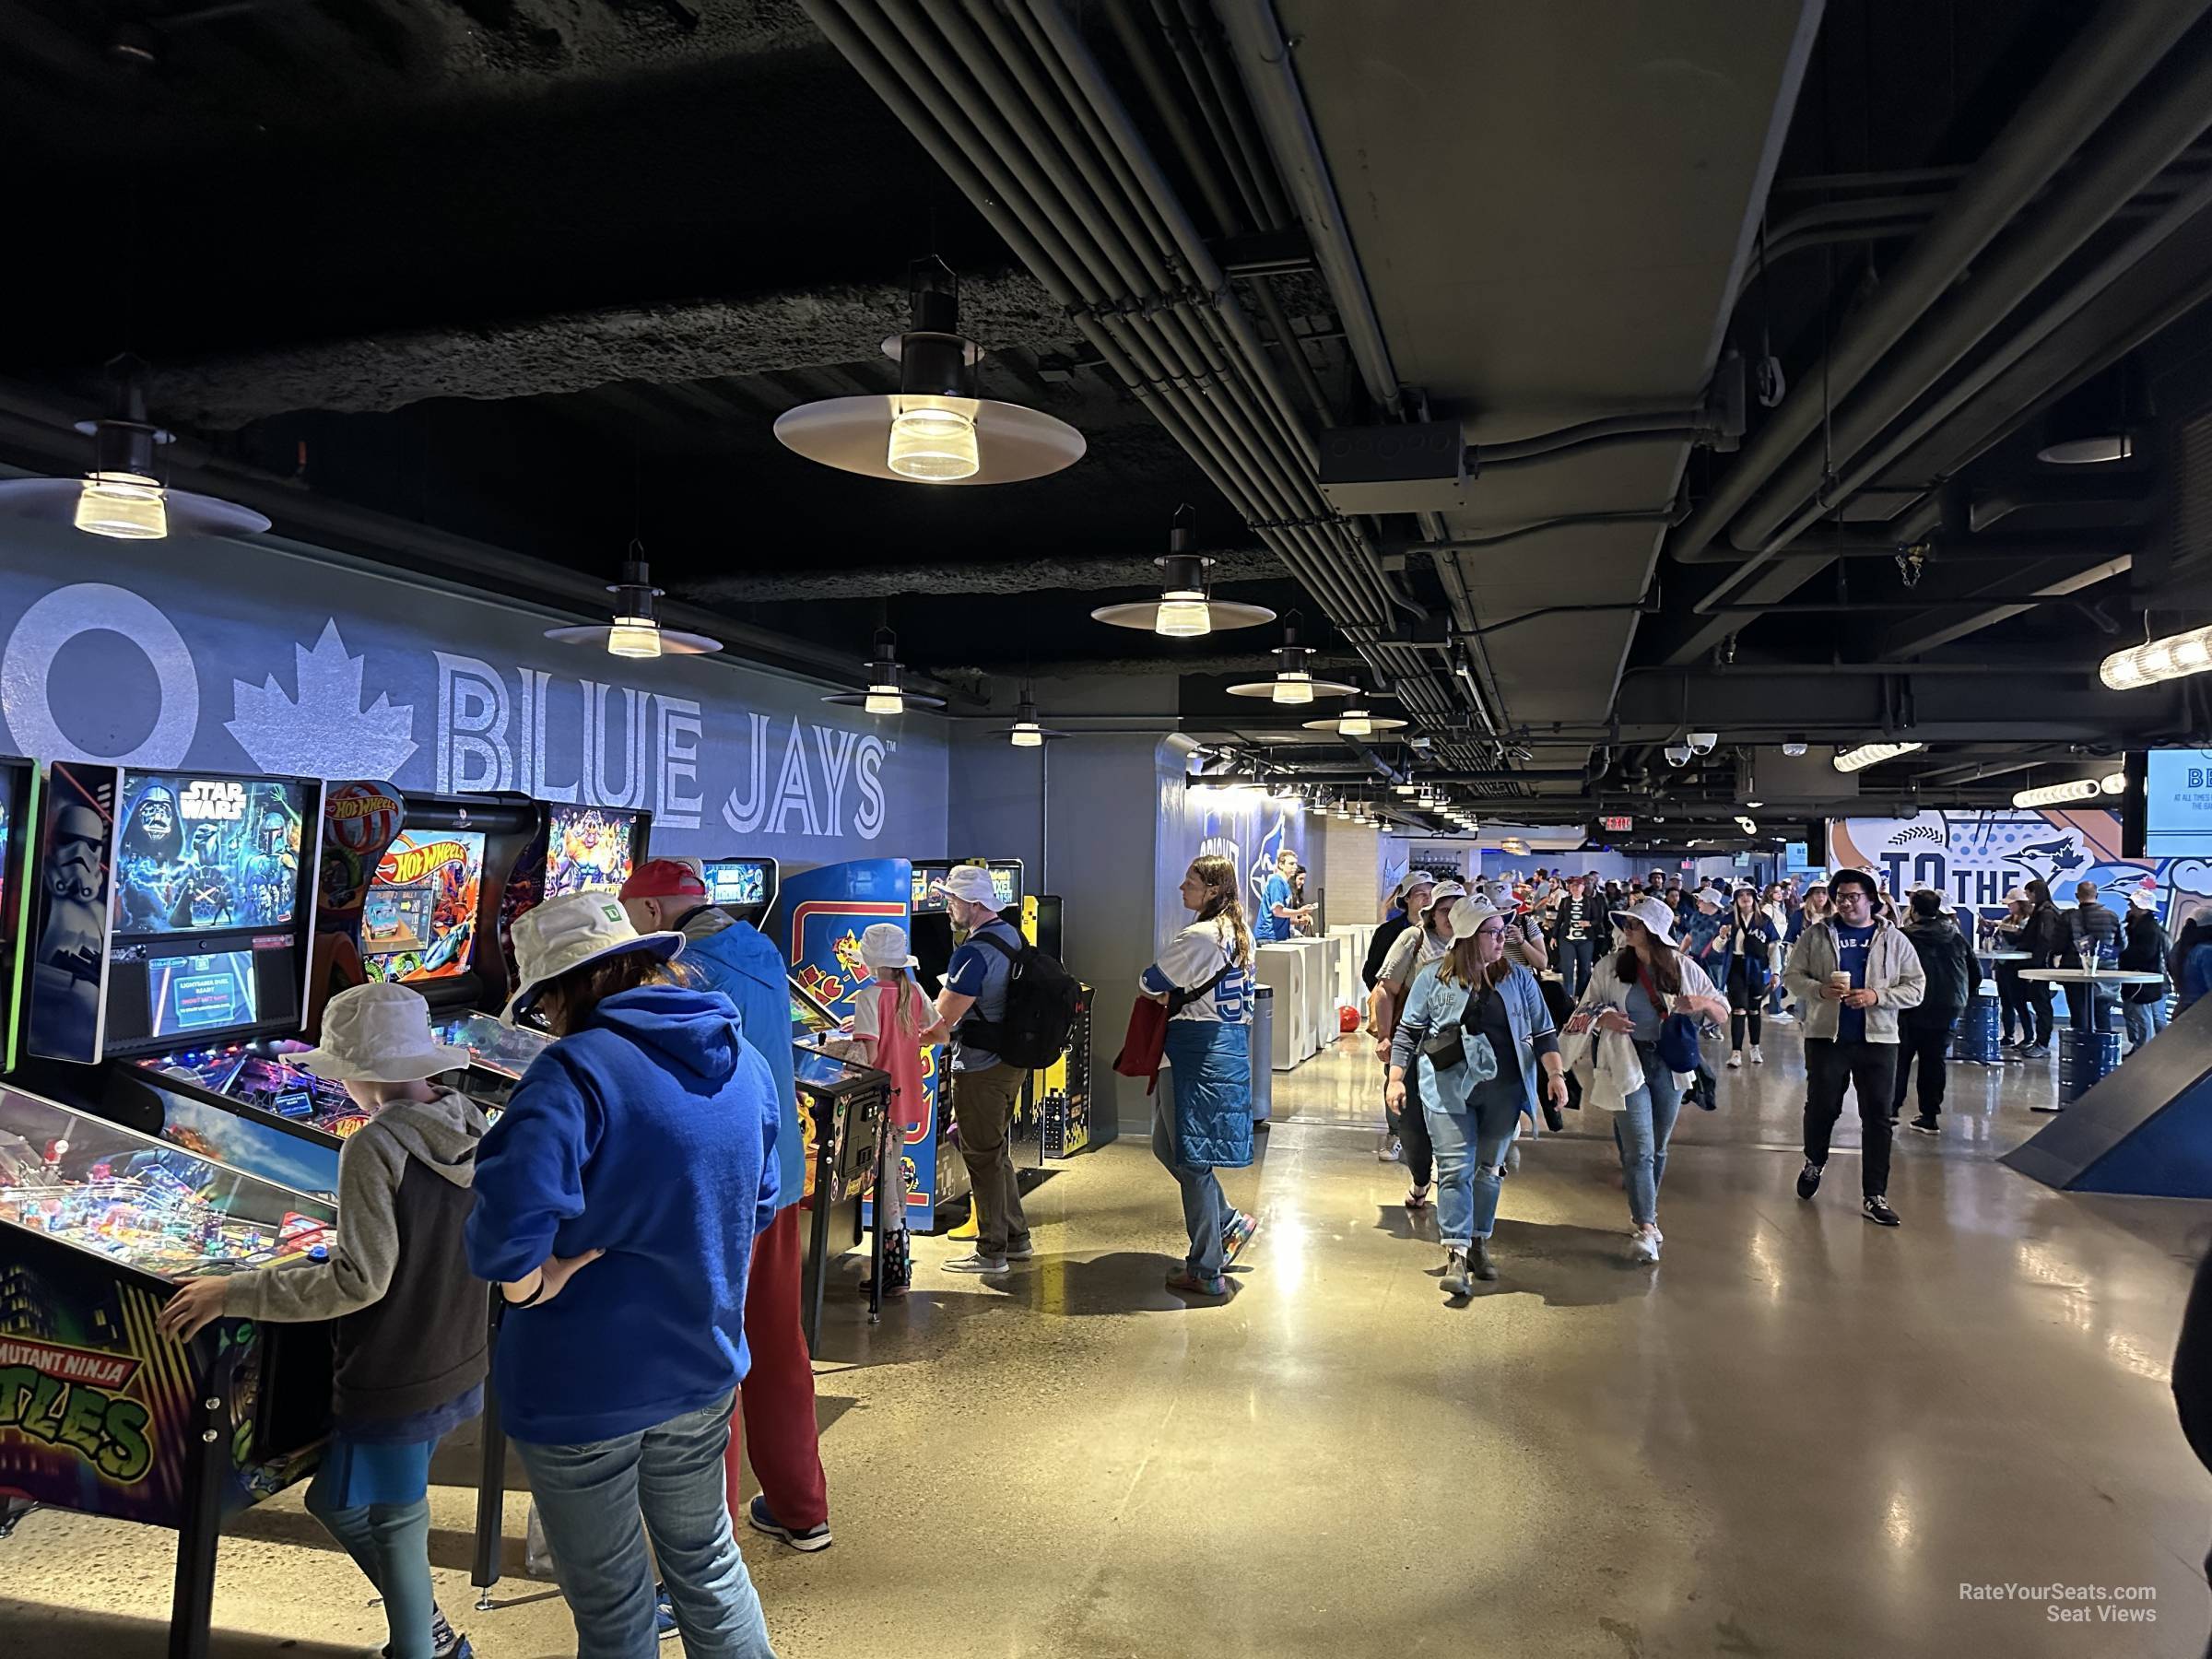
(1756, 1058)
(1781, 1018)
(1735, 1060)
(1645, 1246)
(1388, 1151)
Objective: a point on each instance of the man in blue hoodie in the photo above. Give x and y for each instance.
(777, 1401)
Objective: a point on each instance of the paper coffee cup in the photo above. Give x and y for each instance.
(1838, 981)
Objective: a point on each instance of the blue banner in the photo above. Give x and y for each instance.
(229, 657)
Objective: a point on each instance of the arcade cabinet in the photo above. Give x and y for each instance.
(97, 1412)
(842, 1103)
(19, 789)
(581, 849)
(747, 887)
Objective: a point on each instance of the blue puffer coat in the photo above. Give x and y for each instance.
(1210, 1067)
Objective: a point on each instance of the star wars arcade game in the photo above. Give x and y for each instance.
(20, 784)
(98, 1413)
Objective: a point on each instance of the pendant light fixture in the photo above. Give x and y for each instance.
(887, 693)
(635, 632)
(934, 429)
(1293, 683)
(2058, 794)
(1027, 732)
(1183, 611)
(1357, 719)
(1872, 753)
(121, 494)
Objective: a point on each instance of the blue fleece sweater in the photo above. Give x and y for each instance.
(744, 964)
(650, 1133)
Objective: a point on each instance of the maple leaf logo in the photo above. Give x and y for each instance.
(325, 732)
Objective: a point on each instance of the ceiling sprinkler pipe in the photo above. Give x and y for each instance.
(2116, 48)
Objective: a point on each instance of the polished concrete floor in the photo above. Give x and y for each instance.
(1800, 1435)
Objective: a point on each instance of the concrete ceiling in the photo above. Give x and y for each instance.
(1553, 205)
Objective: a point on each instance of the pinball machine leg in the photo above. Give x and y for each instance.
(199, 1526)
(491, 1491)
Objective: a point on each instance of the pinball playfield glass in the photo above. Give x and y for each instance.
(144, 1203)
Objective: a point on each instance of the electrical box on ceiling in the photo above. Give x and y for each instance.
(1420, 467)
(1811, 776)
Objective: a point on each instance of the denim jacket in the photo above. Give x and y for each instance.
(1433, 1005)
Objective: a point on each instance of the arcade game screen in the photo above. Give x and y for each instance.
(259, 1074)
(737, 881)
(197, 854)
(418, 920)
(187, 995)
(587, 848)
(1002, 887)
(155, 1207)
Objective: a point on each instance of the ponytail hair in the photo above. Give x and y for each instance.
(1219, 877)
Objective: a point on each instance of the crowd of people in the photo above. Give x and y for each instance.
(1493, 1008)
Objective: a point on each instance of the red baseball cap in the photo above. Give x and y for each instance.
(665, 878)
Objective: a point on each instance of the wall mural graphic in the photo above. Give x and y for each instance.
(244, 658)
(1973, 859)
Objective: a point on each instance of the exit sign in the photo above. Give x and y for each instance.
(1617, 825)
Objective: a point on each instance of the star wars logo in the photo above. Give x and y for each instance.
(218, 801)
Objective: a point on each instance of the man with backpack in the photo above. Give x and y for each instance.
(1924, 1033)
(986, 1081)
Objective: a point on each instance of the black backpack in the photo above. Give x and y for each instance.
(1042, 998)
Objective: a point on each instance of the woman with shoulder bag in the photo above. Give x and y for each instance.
(1475, 1035)
(1204, 978)
(1635, 993)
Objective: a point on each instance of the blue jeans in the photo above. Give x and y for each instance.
(1206, 1208)
(590, 1497)
(1470, 1151)
(2145, 1020)
(1641, 1129)
(1576, 959)
(391, 1544)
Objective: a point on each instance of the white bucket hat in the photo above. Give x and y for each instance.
(2144, 898)
(571, 930)
(971, 882)
(1442, 891)
(1468, 919)
(1658, 920)
(379, 1033)
(885, 945)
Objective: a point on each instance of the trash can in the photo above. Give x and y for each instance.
(2084, 1058)
(1977, 1036)
(1262, 1029)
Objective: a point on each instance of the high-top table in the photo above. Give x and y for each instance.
(2085, 1055)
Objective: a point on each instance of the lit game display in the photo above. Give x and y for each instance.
(196, 854)
(418, 920)
(587, 848)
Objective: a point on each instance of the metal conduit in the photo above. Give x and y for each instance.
(878, 52)
(1661, 423)
(1869, 466)
(2151, 134)
(2117, 47)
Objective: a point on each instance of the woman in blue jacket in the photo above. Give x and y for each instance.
(627, 1178)
(1477, 1002)
(1740, 959)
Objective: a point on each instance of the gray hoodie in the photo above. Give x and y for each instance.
(409, 1325)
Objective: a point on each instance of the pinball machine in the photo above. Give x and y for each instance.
(98, 1219)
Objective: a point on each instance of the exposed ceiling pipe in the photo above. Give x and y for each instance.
(1659, 423)
(1263, 60)
(2117, 46)
(2143, 140)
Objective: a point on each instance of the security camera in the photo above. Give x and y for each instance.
(1677, 754)
(1701, 743)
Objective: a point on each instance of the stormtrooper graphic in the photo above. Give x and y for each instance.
(67, 972)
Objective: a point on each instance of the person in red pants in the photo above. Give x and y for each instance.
(774, 1416)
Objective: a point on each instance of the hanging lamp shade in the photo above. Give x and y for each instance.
(1356, 719)
(633, 631)
(1293, 684)
(121, 494)
(934, 429)
(886, 692)
(1028, 731)
(1184, 610)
